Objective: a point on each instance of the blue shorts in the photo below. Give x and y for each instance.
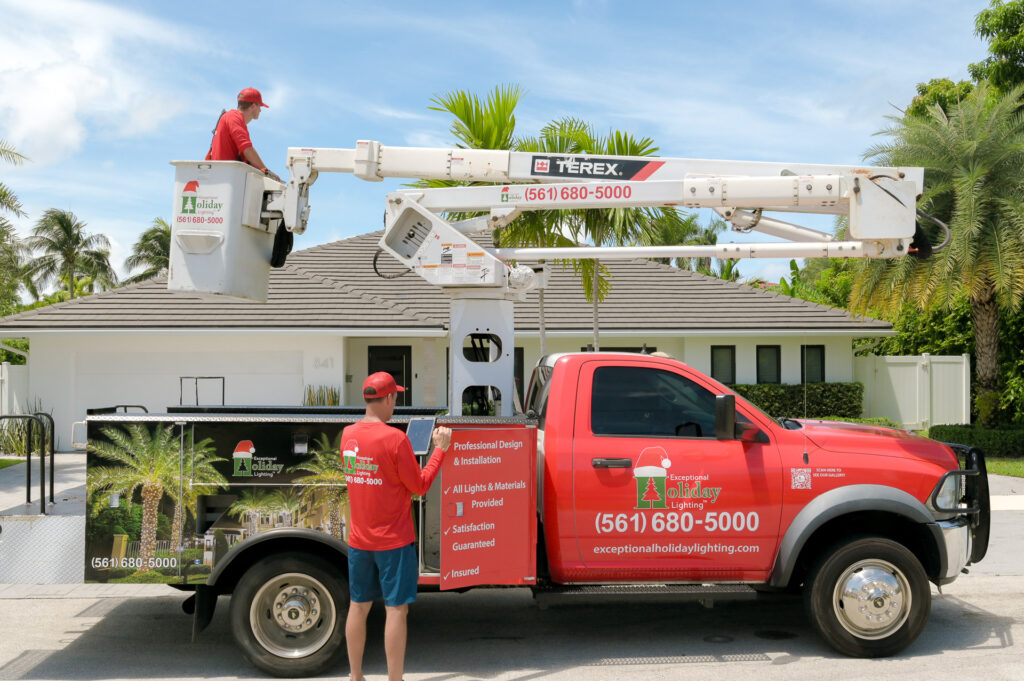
(392, 575)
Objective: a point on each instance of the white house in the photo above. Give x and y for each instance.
(330, 319)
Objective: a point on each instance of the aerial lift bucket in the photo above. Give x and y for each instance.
(220, 246)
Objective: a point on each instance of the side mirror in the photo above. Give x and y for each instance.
(748, 432)
(725, 417)
(726, 427)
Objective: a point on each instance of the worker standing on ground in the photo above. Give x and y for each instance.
(382, 475)
(231, 136)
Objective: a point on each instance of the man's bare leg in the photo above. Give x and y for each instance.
(395, 632)
(355, 636)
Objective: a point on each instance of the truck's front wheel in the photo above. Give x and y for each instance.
(288, 615)
(868, 598)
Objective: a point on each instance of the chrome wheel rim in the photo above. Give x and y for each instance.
(872, 599)
(292, 615)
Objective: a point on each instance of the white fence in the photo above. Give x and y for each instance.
(13, 388)
(918, 392)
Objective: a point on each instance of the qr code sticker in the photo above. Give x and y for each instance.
(801, 478)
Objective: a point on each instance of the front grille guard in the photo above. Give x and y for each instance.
(976, 497)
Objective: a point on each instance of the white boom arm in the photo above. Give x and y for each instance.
(879, 202)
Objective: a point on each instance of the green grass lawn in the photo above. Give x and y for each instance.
(1004, 466)
(4, 463)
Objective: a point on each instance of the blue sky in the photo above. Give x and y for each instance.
(101, 96)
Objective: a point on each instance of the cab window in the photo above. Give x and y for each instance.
(646, 401)
(537, 394)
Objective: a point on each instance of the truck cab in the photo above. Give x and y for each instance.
(649, 471)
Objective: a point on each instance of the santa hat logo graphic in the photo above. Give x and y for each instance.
(188, 198)
(650, 472)
(242, 459)
(349, 452)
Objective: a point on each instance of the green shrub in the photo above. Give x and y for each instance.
(873, 421)
(835, 400)
(991, 442)
(321, 396)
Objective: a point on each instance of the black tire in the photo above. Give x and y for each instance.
(886, 583)
(310, 597)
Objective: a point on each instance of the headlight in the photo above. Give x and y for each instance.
(949, 494)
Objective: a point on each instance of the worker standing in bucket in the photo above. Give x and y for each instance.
(231, 135)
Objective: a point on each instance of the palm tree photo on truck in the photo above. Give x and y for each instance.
(972, 158)
(201, 479)
(66, 251)
(142, 462)
(151, 253)
(324, 482)
(250, 505)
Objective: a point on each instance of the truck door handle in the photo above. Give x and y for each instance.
(612, 463)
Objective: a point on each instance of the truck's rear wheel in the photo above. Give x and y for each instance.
(868, 598)
(288, 615)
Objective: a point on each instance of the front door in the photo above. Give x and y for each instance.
(397, 361)
(656, 496)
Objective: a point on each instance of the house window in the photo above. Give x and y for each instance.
(723, 363)
(812, 363)
(769, 364)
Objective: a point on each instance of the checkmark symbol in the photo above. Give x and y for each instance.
(447, 531)
(447, 489)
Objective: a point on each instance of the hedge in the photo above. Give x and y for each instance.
(881, 421)
(990, 442)
(836, 400)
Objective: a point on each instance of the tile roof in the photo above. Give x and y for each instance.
(334, 286)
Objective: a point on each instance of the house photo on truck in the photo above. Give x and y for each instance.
(628, 477)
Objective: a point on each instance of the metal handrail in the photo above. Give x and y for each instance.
(29, 441)
(53, 447)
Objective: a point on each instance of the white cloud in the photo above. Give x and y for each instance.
(71, 67)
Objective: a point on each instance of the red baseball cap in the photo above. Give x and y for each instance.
(251, 94)
(380, 384)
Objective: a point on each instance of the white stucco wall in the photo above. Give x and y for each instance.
(71, 373)
(838, 355)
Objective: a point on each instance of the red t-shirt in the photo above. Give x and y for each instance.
(230, 139)
(382, 475)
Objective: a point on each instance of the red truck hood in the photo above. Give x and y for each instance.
(836, 436)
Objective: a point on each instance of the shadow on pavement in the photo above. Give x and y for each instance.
(485, 633)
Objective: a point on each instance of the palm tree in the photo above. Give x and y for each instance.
(325, 482)
(728, 269)
(287, 501)
(146, 462)
(972, 158)
(12, 249)
(152, 252)
(614, 226)
(251, 504)
(12, 267)
(8, 200)
(66, 250)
